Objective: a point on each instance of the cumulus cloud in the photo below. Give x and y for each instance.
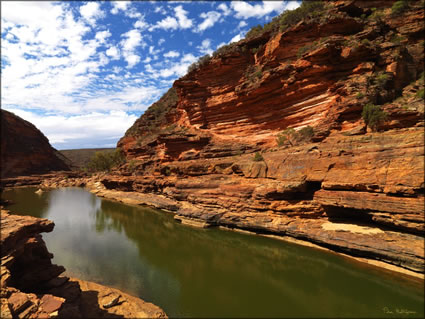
(205, 47)
(180, 21)
(181, 14)
(223, 7)
(236, 38)
(172, 69)
(172, 54)
(132, 39)
(118, 6)
(113, 53)
(242, 24)
(91, 12)
(210, 18)
(102, 35)
(245, 10)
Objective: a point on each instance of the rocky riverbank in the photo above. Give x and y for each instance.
(32, 287)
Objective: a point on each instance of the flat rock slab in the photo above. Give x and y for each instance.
(95, 296)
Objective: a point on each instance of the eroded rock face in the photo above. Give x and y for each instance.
(32, 288)
(25, 150)
(198, 157)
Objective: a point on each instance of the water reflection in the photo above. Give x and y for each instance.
(193, 272)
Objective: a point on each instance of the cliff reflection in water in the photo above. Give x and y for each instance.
(207, 272)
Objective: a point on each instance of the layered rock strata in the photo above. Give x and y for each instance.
(345, 186)
(32, 288)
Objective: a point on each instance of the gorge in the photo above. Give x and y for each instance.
(311, 130)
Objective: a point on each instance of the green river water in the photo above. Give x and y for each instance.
(192, 272)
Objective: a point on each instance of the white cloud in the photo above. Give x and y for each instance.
(242, 24)
(223, 7)
(141, 24)
(90, 130)
(132, 39)
(291, 5)
(102, 35)
(126, 8)
(167, 23)
(161, 10)
(205, 47)
(119, 6)
(180, 21)
(236, 38)
(210, 18)
(174, 69)
(184, 22)
(91, 12)
(245, 10)
(172, 54)
(113, 53)
(161, 41)
(132, 59)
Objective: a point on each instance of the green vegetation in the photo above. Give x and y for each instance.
(201, 62)
(293, 137)
(305, 49)
(257, 30)
(359, 95)
(258, 157)
(105, 161)
(420, 93)
(376, 15)
(365, 42)
(155, 116)
(397, 39)
(79, 158)
(373, 115)
(381, 79)
(399, 7)
(253, 73)
(307, 10)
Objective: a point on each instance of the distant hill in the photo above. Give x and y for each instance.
(80, 157)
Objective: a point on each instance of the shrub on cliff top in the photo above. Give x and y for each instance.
(201, 62)
(373, 115)
(151, 121)
(399, 7)
(254, 31)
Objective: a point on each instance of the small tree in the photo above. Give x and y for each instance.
(258, 157)
(373, 115)
(399, 7)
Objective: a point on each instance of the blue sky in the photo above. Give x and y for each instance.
(83, 72)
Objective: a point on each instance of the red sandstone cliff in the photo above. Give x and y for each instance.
(25, 150)
(344, 186)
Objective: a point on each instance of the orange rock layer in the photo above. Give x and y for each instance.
(197, 157)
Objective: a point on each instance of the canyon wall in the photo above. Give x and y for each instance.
(294, 98)
(25, 150)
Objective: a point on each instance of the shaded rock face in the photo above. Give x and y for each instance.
(32, 288)
(25, 150)
(318, 73)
